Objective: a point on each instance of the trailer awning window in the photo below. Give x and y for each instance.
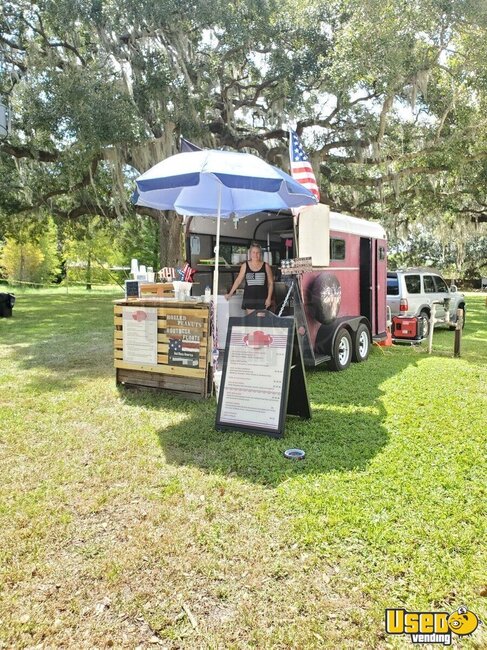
(337, 249)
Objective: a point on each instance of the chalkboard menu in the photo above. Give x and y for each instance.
(260, 352)
(132, 288)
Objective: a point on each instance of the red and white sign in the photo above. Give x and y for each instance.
(139, 326)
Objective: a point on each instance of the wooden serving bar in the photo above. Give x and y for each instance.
(163, 343)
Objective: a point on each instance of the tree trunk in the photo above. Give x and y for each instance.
(88, 272)
(22, 264)
(170, 248)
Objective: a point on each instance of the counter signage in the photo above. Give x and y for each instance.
(139, 326)
(256, 375)
(183, 351)
(185, 336)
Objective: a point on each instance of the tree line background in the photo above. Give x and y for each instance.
(389, 99)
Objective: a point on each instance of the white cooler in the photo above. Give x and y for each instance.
(225, 309)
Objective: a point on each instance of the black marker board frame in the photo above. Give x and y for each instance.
(132, 289)
(262, 321)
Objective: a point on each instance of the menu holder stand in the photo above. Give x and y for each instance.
(263, 376)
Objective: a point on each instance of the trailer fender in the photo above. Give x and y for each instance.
(351, 324)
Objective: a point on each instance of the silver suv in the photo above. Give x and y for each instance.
(411, 292)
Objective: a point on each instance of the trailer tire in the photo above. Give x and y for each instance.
(361, 344)
(342, 350)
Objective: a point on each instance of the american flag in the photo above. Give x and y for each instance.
(301, 169)
(175, 345)
(186, 273)
(181, 345)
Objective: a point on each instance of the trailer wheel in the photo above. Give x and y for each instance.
(361, 344)
(342, 350)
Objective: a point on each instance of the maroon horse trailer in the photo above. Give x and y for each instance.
(330, 272)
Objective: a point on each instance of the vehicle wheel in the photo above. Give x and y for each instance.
(424, 316)
(361, 344)
(454, 327)
(342, 350)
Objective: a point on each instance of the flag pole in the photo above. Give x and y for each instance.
(294, 212)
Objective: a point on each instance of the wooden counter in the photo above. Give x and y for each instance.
(165, 344)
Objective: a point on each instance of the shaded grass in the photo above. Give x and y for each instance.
(123, 510)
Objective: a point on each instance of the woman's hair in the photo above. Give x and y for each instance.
(255, 244)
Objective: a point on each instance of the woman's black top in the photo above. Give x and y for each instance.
(256, 288)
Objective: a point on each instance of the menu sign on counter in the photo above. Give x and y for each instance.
(140, 335)
(257, 375)
(185, 334)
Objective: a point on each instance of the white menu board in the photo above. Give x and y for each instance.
(255, 380)
(140, 335)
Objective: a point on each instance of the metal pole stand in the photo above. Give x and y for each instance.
(432, 326)
(458, 333)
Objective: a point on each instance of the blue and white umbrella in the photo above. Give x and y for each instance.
(222, 184)
(213, 183)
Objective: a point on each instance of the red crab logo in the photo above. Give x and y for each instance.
(258, 339)
(139, 316)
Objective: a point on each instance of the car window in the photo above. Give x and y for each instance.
(429, 284)
(392, 285)
(413, 283)
(440, 284)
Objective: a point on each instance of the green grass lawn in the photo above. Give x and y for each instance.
(126, 520)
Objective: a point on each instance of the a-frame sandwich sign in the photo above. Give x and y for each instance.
(263, 375)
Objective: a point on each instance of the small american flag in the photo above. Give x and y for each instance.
(186, 273)
(181, 345)
(175, 345)
(301, 169)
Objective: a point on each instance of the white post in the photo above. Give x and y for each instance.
(215, 273)
(433, 320)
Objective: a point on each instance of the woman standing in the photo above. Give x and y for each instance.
(259, 282)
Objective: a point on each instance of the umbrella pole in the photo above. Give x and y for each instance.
(215, 276)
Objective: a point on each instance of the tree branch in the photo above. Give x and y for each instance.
(22, 151)
(387, 178)
(90, 209)
(479, 216)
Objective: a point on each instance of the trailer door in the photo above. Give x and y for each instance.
(366, 280)
(380, 287)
